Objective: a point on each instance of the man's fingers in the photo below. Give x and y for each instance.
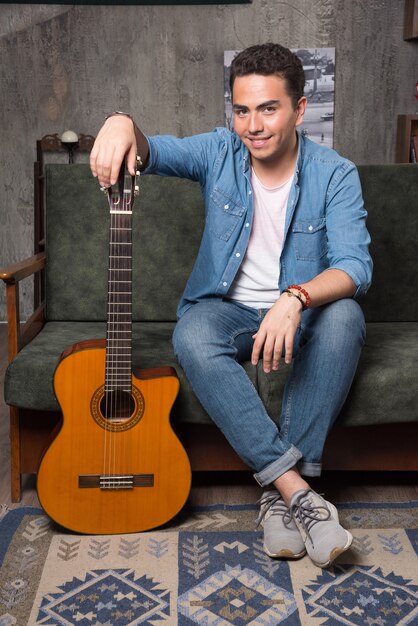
(272, 353)
(288, 350)
(258, 344)
(115, 140)
(131, 160)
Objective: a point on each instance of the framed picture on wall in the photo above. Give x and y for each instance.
(410, 30)
(131, 2)
(319, 67)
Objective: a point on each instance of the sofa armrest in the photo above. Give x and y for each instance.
(16, 272)
(18, 337)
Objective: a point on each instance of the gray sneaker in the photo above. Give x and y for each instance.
(282, 539)
(317, 520)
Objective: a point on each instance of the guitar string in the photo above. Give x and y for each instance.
(126, 237)
(111, 393)
(109, 350)
(118, 382)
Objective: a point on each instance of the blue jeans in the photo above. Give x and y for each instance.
(214, 336)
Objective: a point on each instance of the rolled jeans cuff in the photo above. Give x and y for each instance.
(310, 469)
(288, 460)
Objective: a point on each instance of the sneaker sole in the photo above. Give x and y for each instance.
(336, 552)
(284, 554)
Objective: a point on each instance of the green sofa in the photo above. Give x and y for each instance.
(381, 409)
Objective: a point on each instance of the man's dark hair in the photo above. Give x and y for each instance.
(267, 59)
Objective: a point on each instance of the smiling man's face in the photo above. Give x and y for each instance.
(265, 118)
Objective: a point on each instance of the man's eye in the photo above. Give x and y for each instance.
(269, 109)
(240, 113)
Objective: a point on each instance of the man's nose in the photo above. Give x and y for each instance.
(255, 123)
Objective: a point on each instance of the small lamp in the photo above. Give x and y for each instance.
(69, 139)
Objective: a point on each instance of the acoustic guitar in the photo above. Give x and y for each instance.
(116, 465)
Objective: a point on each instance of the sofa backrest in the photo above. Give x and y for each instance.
(168, 219)
(391, 199)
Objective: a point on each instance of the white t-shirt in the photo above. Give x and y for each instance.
(257, 281)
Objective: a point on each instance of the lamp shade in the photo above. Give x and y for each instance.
(69, 136)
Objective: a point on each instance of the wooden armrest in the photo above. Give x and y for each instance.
(23, 269)
(11, 276)
(32, 326)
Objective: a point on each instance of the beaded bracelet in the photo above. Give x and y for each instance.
(303, 291)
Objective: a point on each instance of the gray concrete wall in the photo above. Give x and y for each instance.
(66, 66)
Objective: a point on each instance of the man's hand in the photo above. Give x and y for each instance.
(277, 330)
(116, 139)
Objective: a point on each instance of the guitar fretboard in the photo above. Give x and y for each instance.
(119, 311)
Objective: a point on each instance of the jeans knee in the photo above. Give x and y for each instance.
(182, 339)
(192, 339)
(343, 323)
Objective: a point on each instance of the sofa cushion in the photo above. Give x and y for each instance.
(381, 391)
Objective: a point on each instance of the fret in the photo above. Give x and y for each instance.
(111, 375)
(124, 361)
(120, 243)
(120, 331)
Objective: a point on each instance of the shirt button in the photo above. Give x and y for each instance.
(247, 225)
(224, 284)
(310, 227)
(250, 192)
(226, 206)
(238, 254)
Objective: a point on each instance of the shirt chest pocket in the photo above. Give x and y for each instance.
(224, 214)
(310, 239)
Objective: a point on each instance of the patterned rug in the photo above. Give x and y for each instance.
(207, 568)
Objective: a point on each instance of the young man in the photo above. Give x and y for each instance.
(284, 255)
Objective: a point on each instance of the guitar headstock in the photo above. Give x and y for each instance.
(121, 195)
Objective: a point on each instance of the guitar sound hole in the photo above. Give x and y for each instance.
(117, 406)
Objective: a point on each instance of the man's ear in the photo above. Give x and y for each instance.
(300, 109)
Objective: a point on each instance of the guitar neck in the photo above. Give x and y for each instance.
(119, 309)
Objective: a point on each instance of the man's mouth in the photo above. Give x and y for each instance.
(258, 142)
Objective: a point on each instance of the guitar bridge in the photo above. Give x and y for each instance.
(115, 481)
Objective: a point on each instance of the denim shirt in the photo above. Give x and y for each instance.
(325, 224)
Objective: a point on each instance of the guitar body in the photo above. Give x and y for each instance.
(120, 475)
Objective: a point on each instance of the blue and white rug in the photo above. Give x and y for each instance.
(207, 568)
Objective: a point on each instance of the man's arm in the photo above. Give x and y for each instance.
(118, 137)
(278, 328)
(349, 274)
